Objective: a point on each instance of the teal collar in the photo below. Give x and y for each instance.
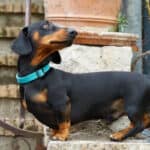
(33, 76)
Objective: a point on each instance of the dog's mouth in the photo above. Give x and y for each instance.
(64, 42)
(68, 41)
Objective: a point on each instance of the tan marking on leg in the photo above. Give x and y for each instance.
(54, 131)
(146, 120)
(63, 128)
(41, 96)
(118, 136)
(24, 104)
(36, 36)
(63, 132)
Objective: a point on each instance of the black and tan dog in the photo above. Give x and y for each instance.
(59, 99)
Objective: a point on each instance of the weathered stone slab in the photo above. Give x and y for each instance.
(96, 145)
(79, 58)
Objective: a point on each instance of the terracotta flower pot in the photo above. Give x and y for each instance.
(83, 13)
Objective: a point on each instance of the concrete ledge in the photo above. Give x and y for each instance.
(107, 38)
(96, 145)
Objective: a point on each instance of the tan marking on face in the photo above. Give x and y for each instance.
(63, 132)
(58, 36)
(41, 96)
(46, 47)
(36, 36)
(146, 120)
(24, 104)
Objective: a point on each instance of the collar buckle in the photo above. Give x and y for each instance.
(40, 73)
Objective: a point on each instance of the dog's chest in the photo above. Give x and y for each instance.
(38, 106)
(36, 92)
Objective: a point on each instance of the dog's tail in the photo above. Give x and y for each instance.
(133, 64)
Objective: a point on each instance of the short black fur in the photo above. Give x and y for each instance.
(91, 95)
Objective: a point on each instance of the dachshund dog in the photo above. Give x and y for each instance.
(59, 99)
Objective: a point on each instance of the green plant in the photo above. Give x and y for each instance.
(148, 6)
(122, 22)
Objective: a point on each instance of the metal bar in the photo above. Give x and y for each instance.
(28, 13)
(146, 36)
(20, 132)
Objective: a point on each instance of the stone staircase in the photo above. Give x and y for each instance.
(11, 21)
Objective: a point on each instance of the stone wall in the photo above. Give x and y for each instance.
(11, 21)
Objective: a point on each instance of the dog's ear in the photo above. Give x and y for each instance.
(56, 58)
(22, 44)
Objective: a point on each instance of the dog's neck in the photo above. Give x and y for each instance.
(24, 66)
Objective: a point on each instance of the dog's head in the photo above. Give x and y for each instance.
(43, 40)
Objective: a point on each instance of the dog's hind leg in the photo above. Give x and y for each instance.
(139, 121)
(133, 129)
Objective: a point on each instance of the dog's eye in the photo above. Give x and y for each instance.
(45, 26)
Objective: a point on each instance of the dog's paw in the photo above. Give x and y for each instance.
(53, 132)
(117, 136)
(60, 137)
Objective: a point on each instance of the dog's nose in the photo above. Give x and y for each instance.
(72, 32)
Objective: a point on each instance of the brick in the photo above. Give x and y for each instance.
(9, 32)
(20, 8)
(9, 91)
(7, 59)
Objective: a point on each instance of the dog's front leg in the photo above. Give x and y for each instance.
(64, 123)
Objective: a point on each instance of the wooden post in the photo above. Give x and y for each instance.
(28, 12)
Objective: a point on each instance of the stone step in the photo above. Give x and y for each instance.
(107, 39)
(96, 145)
(94, 135)
(20, 8)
